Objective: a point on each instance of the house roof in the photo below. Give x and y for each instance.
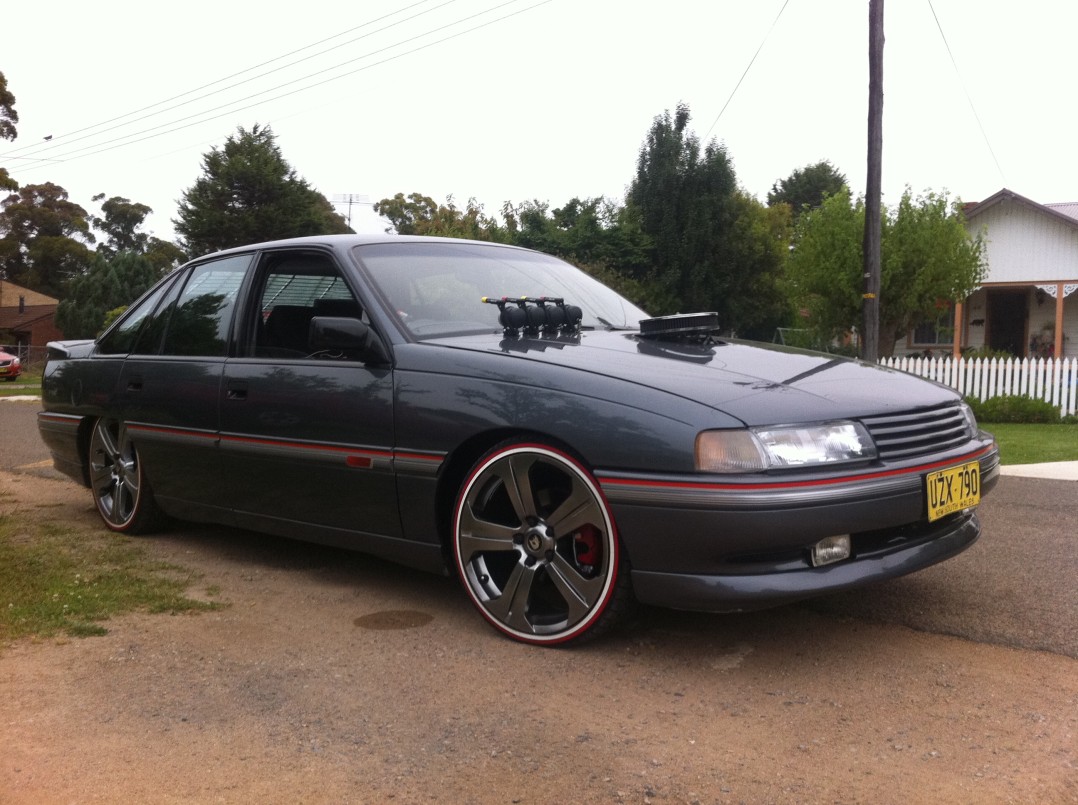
(1069, 208)
(10, 293)
(1061, 212)
(12, 319)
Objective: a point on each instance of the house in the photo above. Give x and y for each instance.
(27, 318)
(1028, 303)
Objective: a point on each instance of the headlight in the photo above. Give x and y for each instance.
(729, 451)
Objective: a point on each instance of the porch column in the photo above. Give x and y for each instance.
(959, 327)
(1060, 296)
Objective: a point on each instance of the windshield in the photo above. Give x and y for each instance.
(436, 289)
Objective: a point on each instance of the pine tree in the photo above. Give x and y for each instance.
(248, 193)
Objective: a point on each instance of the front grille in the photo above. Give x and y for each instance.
(918, 433)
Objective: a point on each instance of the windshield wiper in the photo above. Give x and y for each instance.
(612, 327)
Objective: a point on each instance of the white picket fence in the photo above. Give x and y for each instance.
(1054, 381)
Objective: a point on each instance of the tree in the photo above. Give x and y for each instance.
(590, 231)
(8, 118)
(929, 261)
(163, 254)
(421, 215)
(43, 238)
(807, 187)
(249, 193)
(127, 263)
(110, 283)
(713, 247)
(120, 221)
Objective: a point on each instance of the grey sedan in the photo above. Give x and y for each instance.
(495, 413)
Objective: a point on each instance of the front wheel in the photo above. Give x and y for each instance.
(122, 494)
(536, 546)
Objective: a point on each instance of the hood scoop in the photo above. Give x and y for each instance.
(698, 328)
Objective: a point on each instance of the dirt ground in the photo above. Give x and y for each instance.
(336, 678)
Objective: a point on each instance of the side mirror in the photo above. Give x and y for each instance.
(348, 336)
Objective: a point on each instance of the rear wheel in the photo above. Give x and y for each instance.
(122, 494)
(536, 545)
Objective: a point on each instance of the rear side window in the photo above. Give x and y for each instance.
(198, 322)
(121, 339)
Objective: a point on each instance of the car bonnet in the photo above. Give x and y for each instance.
(757, 383)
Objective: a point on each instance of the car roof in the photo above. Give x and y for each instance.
(347, 241)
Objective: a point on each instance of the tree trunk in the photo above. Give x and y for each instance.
(888, 338)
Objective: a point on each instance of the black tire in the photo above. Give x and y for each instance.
(121, 492)
(536, 546)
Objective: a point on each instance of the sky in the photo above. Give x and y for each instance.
(520, 100)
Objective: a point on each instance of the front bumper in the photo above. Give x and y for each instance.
(735, 593)
(728, 546)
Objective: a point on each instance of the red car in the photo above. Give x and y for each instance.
(10, 366)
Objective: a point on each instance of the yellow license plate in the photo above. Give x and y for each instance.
(951, 490)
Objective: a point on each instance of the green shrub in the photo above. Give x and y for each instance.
(1014, 408)
(987, 353)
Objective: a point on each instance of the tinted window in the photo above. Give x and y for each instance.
(295, 288)
(199, 321)
(153, 329)
(121, 339)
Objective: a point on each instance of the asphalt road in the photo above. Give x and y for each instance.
(1015, 587)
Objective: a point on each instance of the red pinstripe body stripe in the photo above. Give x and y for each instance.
(326, 448)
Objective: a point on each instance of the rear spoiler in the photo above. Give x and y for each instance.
(60, 350)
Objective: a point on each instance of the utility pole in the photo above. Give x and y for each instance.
(350, 199)
(870, 335)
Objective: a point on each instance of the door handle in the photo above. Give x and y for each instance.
(236, 392)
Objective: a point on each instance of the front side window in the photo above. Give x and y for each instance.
(199, 320)
(293, 288)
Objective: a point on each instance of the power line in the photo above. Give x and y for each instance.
(180, 124)
(54, 145)
(973, 108)
(747, 68)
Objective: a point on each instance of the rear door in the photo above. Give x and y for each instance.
(169, 386)
(306, 435)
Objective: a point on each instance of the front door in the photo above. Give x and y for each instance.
(1007, 315)
(306, 436)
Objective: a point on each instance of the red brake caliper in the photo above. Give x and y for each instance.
(587, 546)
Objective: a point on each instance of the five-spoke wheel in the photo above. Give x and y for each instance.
(535, 545)
(122, 495)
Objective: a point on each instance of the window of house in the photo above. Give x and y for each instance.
(940, 331)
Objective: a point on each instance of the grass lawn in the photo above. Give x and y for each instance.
(26, 383)
(1033, 444)
(58, 577)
